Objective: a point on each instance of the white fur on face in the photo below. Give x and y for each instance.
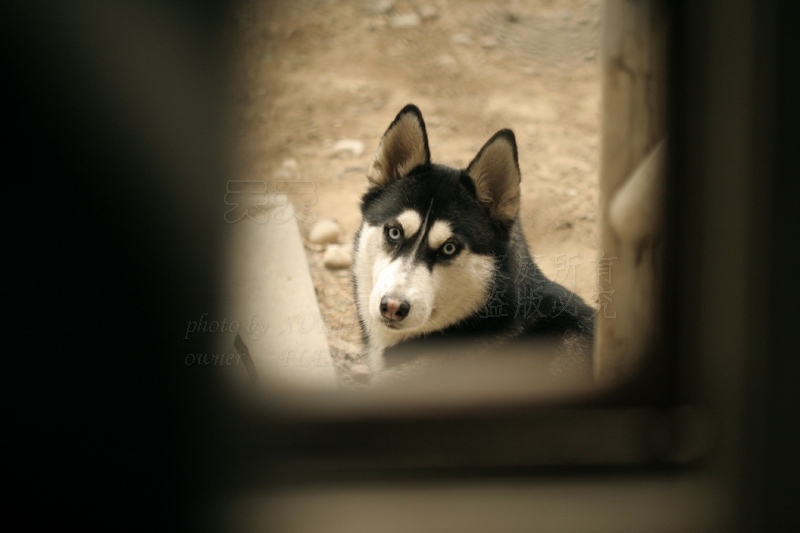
(439, 232)
(438, 298)
(410, 221)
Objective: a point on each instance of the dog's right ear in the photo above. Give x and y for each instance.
(403, 147)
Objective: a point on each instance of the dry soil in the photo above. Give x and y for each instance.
(315, 72)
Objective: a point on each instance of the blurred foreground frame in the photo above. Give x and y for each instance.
(706, 440)
(691, 350)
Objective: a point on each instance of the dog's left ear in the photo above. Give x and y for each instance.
(403, 147)
(495, 172)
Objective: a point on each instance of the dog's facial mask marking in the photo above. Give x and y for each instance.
(433, 298)
(434, 291)
(403, 147)
(440, 232)
(409, 222)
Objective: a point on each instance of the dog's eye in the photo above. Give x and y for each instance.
(449, 248)
(394, 234)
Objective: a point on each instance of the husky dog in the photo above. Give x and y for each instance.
(440, 251)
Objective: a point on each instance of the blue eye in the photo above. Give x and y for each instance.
(449, 248)
(394, 234)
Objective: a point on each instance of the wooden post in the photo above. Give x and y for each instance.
(631, 184)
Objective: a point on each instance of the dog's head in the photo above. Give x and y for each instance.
(432, 236)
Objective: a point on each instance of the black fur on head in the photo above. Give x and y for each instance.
(493, 174)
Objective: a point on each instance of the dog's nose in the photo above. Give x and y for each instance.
(393, 309)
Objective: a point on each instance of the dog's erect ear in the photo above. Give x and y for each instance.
(403, 147)
(495, 172)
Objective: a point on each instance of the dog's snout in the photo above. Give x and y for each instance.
(394, 309)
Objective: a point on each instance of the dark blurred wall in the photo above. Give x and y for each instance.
(113, 157)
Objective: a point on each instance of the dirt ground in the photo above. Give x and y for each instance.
(314, 72)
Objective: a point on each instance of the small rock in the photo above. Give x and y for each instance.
(428, 12)
(446, 61)
(382, 7)
(489, 41)
(325, 231)
(341, 347)
(375, 23)
(572, 191)
(354, 146)
(284, 174)
(289, 163)
(462, 38)
(404, 20)
(280, 198)
(337, 256)
(359, 371)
